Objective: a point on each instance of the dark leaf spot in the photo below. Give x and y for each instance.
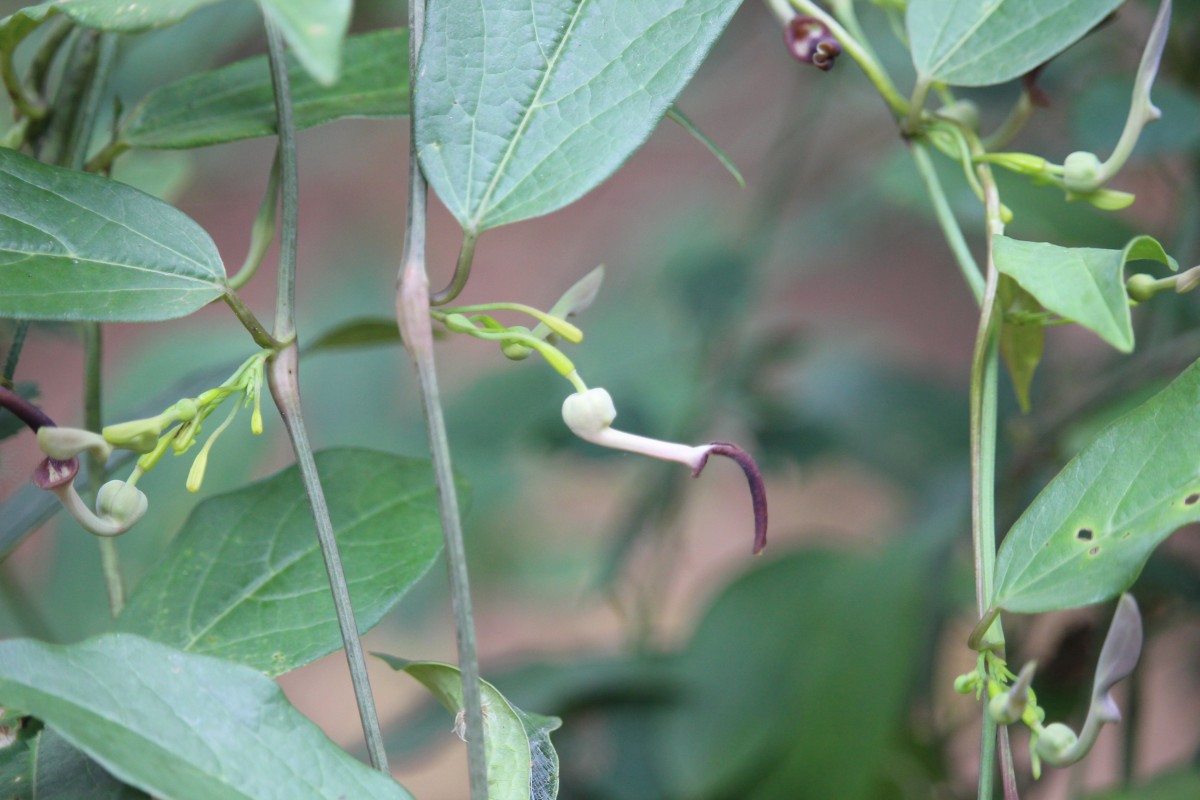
(1084, 534)
(1191, 499)
(1094, 551)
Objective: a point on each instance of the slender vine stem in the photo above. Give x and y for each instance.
(93, 420)
(14, 352)
(283, 377)
(250, 322)
(945, 217)
(416, 330)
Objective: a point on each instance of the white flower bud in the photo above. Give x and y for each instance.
(589, 413)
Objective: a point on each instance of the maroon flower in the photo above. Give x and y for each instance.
(809, 41)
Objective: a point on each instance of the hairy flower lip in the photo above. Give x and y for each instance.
(52, 473)
(758, 488)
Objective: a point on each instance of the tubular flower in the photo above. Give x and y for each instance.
(590, 414)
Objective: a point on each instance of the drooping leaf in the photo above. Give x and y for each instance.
(974, 43)
(1086, 537)
(75, 246)
(237, 101)
(313, 28)
(1084, 284)
(244, 579)
(521, 109)
(181, 726)
(1021, 343)
(522, 764)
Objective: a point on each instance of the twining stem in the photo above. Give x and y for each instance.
(283, 377)
(984, 372)
(93, 420)
(412, 312)
(945, 217)
(251, 323)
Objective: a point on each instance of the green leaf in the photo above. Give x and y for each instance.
(75, 246)
(974, 43)
(1083, 284)
(58, 771)
(181, 726)
(361, 332)
(237, 101)
(1183, 784)
(244, 579)
(123, 16)
(835, 662)
(521, 762)
(1021, 343)
(314, 29)
(1088, 534)
(522, 109)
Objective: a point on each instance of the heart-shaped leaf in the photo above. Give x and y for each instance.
(521, 109)
(237, 101)
(1086, 537)
(244, 579)
(522, 764)
(181, 726)
(75, 246)
(977, 43)
(1084, 284)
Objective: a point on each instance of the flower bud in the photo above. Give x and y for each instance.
(1080, 171)
(513, 349)
(967, 683)
(121, 502)
(138, 435)
(588, 413)
(1056, 742)
(1141, 287)
(963, 112)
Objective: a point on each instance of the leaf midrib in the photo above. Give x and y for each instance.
(530, 108)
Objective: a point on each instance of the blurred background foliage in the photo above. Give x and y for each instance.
(815, 317)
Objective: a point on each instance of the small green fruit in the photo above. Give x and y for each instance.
(1081, 171)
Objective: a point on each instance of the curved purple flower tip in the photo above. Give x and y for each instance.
(24, 410)
(758, 489)
(809, 41)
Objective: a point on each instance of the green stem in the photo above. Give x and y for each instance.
(39, 65)
(945, 217)
(416, 331)
(283, 376)
(916, 105)
(1003, 136)
(251, 323)
(14, 351)
(80, 137)
(462, 272)
(93, 420)
(262, 232)
(32, 107)
(285, 125)
(984, 372)
(851, 46)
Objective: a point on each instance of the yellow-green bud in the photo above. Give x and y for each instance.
(1141, 287)
(513, 349)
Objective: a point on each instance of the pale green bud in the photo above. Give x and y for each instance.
(1056, 742)
(1141, 287)
(1080, 171)
(513, 349)
(121, 503)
